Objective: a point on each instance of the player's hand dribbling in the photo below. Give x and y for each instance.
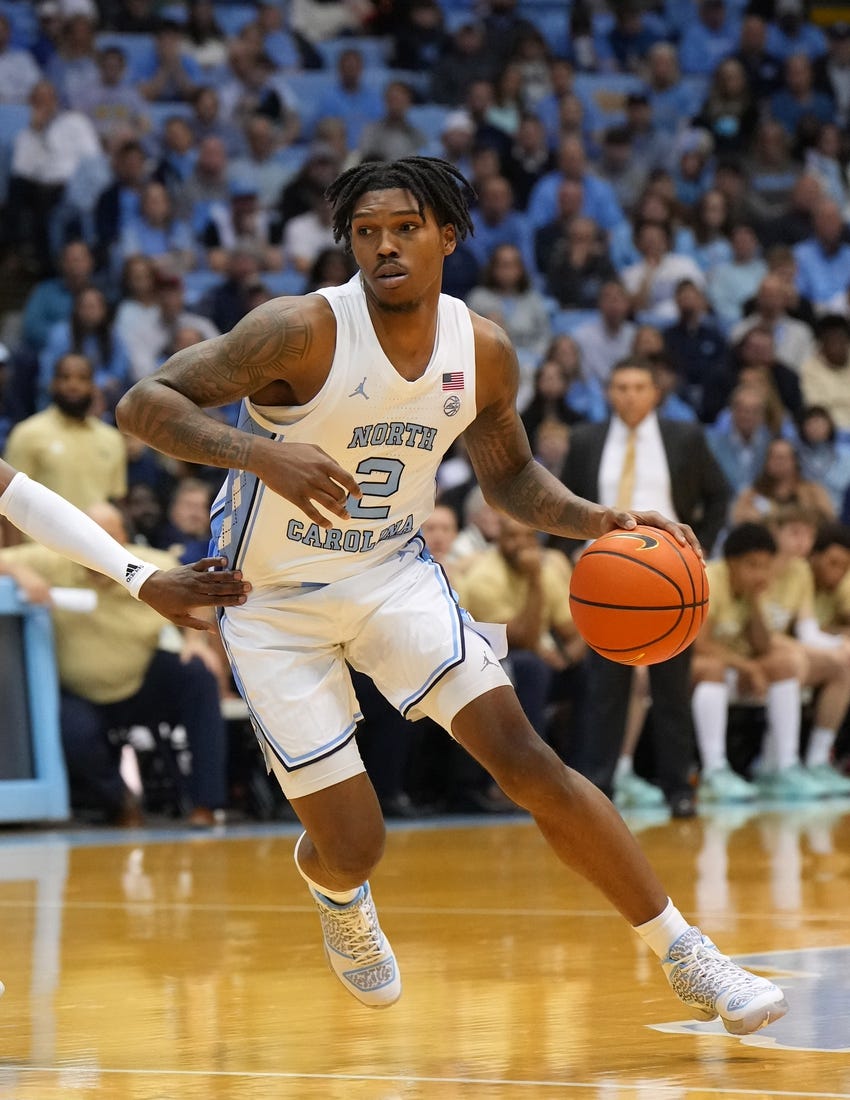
(681, 532)
(174, 592)
(306, 475)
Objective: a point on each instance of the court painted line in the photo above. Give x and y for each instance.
(90, 1072)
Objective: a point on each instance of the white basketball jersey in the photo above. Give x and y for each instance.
(391, 434)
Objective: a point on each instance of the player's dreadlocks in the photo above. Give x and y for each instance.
(432, 182)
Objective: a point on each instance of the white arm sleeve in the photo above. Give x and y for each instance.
(809, 633)
(51, 520)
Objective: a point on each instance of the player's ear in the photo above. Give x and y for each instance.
(449, 239)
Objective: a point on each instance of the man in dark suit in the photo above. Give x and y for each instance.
(635, 461)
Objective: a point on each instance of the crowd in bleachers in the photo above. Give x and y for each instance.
(666, 178)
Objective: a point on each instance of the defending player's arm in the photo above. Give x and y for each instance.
(55, 523)
(510, 478)
(287, 343)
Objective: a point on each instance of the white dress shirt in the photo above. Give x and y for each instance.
(51, 155)
(652, 474)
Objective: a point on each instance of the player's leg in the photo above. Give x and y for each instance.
(588, 835)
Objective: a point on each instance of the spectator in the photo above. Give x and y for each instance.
(691, 169)
(251, 86)
(120, 202)
(351, 99)
(740, 444)
(506, 296)
(480, 528)
(227, 303)
(669, 99)
(791, 338)
(605, 340)
(478, 103)
(73, 68)
(794, 221)
(730, 284)
(754, 357)
(780, 483)
(208, 183)
(173, 314)
(791, 34)
(64, 447)
(782, 263)
(507, 107)
(89, 333)
(729, 113)
(823, 260)
(503, 28)
(832, 71)
(206, 121)
(825, 373)
(135, 17)
(393, 135)
(465, 61)
(187, 536)
(457, 136)
(830, 562)
(789, 610)
(650, 147)
(19, 72)
(51, 300)
(306, 235)
(260, 168)
(553, 380)
(708, 40)
(822, 458)
(45, 155)
(823, 160)
(631, 37)
(496, 221)
(651, 283)
(619, 167)
(308, 185)
(156, 232)
(420, 39)
(707, 237)
(518, 583)
(137, 315)
(698, 351)
(529, 158)
(440, 531)
(736, 644)
(173, 73)
(113, 675)
(203, 40)
(332, 267)
(179, 154)
(798, 99)
(763, 70)
(599, 198)
(242, 223)
(578, 266)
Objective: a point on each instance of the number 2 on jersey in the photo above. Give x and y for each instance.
(385, 486)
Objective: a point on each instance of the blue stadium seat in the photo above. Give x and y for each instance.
(139, 50)
(607, 92)
(233, 17)
(159, 113)
(429, 118)
(553, 22)
(566, 321)
(197, 283)
(375, 51)
(23, 22)
(283, 282)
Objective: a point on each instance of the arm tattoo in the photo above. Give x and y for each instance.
(166, 410)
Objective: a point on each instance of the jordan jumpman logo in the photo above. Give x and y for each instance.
(487, 662)
(361, 389)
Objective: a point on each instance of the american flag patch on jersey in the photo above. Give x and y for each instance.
(453, 380)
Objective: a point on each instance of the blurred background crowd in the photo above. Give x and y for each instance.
(660, 180)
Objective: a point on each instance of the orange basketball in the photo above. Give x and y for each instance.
(638, 597)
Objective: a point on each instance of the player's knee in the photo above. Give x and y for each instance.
(528, 774)
(708, 670)
(788, 664)
(352, 855)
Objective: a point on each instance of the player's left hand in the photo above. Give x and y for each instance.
(681, 532)
(174, 592)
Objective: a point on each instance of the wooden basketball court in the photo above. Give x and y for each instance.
(158, 965)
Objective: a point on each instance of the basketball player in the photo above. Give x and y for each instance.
(58, 525)
(351, 396)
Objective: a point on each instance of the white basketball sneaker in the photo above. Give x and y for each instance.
(712, 985)
(357, 950)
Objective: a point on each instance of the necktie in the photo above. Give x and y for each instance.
(626, 487)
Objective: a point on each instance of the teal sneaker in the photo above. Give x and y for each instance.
(832, 783)
(710, 985)
(791, 784)
(633, 793)
(722, 785)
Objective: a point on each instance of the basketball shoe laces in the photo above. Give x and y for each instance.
(354, 931)
(704, 974)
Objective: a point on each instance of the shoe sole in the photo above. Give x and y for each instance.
(747, 1025)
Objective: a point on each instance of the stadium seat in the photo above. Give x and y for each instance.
(608, 93)
(197, 283)
(566, 321)
(23, 22)
(233, 17)
(429, 118)
(375, 51)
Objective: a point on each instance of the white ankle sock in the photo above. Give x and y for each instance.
(709, 706)
(623, 769)
(341, 897)
(662, 931)
(819, 748)
(783, 721)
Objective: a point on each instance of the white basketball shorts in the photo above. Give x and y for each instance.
(398, 622)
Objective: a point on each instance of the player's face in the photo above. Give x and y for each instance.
(399, 251)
